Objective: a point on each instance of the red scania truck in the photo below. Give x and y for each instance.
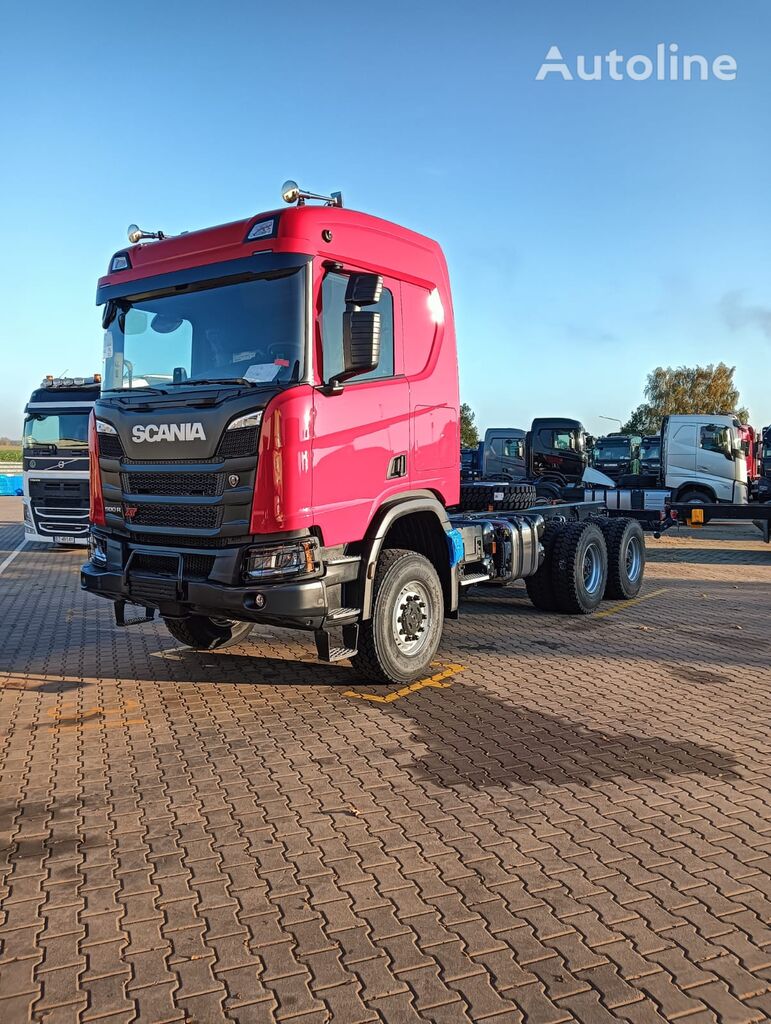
(277, 441)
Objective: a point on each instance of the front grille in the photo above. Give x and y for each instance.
(237, 444)
(198, 567)
(183, 517)
(110, 446)
(161, 565)
(187, 485)
(195, 567)
(174, 541)
(60, 519)
(153, 590)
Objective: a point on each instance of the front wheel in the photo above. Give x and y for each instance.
(203, 633)
(398, 644)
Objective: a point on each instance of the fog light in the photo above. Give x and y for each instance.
(274, 561)
(97, 550)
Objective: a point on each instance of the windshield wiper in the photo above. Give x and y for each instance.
(214, 380)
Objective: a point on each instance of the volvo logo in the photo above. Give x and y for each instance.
(152, 432)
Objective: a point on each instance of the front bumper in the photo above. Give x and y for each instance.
(301, 604)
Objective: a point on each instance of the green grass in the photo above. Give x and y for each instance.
(10, 454)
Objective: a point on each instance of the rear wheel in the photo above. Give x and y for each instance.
(540, 586)
(398, 644)
(626, 557)
(208, 634)
(580, 568)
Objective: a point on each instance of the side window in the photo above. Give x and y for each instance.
(714, 438)
(563, 440)
(332, 308)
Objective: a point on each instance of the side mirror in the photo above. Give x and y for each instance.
(361, 328)
(108, 313)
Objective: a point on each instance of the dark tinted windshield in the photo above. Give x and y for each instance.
(54, 432)
(612, 450)
(252, 330)
(651, 448)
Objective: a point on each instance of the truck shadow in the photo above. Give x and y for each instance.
(469, 737)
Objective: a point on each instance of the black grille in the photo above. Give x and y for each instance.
(188, 485)
(110, 446)
(152, 590)
(198, 567)
(161, 565)
(236, 444)
(195, 567)
(183, 517)
(176, 541)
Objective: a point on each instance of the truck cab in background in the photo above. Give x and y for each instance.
(650, 455)
(55, 460)
(702, 459)
(553, 453)
(617, 455)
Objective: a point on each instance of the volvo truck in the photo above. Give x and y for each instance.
(55, 460)
(277, 441)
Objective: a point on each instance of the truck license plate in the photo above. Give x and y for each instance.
(64, 540)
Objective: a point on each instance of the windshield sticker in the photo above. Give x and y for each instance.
(107, 345)
(261, 373)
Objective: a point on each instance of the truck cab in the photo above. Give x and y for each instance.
(556, 450)
(617, 455)
(703, 460)
(504, 453)
(55, 460)
(650, 455)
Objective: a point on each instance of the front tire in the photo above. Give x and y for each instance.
(207, 634)
(398, 644)
(694, 497)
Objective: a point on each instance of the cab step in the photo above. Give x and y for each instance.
(474, 577)
(343, 616)
(339, 652)
(119, 607)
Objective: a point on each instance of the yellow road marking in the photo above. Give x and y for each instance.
(623, 605)
(436, 681)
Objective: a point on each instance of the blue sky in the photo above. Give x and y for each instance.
(593, 229)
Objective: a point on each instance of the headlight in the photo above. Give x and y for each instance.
(281, 560)
(102, 427)
(252, 419)
(97, 550)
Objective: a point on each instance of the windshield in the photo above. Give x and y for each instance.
(651, 449)
(612, 450)
(54, 432)
(252, 330)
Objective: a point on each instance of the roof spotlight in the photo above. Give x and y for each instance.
(292, 193)
(136, 234)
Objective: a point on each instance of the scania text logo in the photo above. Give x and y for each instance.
(167, 432)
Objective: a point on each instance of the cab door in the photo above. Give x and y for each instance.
(360, 434)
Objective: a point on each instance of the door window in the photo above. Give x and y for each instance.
(714, 438)
(332, 308)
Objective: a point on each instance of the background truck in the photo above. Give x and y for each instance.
(617, 455)
(55, 460)
(277, 441)
(650, 456)
(551, 455)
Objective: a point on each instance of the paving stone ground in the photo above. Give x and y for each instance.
(571, 822)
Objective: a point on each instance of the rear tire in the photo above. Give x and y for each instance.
(540, 586)
(580, 568)
(498, 496)
(398, 644)
(625, 541)
(206, 634)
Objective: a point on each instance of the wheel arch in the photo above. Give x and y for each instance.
(417, 523)
(700, 488)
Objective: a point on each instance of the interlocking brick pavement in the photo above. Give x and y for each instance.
(574, 826)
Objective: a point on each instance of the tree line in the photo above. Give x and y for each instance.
(668, 391)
